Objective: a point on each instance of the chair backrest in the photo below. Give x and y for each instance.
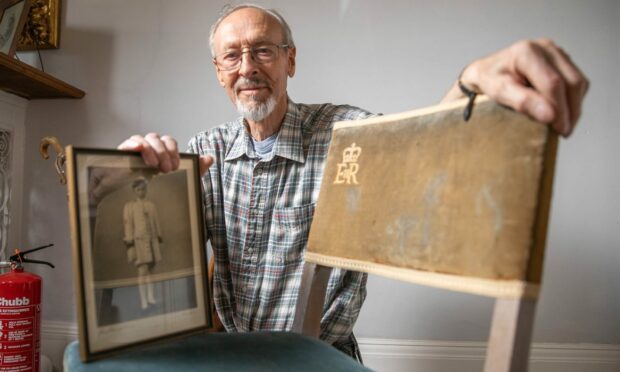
(428, 198)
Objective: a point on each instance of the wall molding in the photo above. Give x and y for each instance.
(55, 336)
(59, 330)
(404, 355)
(541, 352)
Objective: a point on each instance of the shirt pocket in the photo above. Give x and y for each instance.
(290, 230)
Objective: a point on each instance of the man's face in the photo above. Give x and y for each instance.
(252, 86)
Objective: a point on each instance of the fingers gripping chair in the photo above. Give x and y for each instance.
(421, 197)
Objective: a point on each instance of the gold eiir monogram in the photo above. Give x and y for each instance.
(349, 167)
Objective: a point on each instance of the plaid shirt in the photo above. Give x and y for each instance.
(258, 214)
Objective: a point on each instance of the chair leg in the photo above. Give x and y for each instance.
(511, 333)
(311, 299)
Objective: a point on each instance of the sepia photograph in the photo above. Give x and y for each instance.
(140, 246)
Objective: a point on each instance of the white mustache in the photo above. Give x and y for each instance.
(245, 83)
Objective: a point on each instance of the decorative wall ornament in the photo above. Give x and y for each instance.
(42, 27)
(5, 189)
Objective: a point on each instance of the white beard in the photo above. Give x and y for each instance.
(256, 111)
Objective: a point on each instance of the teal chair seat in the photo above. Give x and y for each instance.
(255, 351)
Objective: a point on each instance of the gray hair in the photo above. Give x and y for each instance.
(229, 9)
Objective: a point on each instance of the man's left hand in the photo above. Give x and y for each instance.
(535, 77)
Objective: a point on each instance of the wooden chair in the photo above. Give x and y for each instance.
(426, 198)
(423, 197)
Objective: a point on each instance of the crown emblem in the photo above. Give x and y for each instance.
(346, 172)
(350, 154)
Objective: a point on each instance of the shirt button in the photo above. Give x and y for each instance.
(250, 250)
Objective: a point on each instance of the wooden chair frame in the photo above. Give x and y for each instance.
(511, 327)
(515, 300)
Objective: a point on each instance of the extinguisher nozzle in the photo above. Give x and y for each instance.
(20, 256)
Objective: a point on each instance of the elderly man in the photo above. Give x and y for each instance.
(262, 172)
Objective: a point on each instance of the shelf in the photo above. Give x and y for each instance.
(26, 81)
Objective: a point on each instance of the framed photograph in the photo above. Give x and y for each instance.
(13, 15)
(139, 250)
(42, 29)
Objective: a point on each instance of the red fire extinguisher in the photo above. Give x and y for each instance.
(20, 314)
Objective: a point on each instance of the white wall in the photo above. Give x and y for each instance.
(145, 66)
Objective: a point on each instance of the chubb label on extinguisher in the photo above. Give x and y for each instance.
(24, 301)
(20, 309)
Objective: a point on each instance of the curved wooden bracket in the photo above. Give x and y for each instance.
(60, 155)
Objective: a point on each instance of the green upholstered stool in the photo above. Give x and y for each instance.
(254, 351)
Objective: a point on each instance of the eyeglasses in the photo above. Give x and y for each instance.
(230, 60)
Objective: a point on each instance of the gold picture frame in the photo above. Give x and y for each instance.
(13, 14)
(43, 26)
(138, 248)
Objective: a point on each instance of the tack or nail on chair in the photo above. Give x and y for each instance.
(425, 197)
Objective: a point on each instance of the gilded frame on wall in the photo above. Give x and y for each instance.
(42, 27)
(13, 14)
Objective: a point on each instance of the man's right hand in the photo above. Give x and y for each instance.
(160, 152)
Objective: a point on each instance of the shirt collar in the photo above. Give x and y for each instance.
(289, 143)
(242, 144)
